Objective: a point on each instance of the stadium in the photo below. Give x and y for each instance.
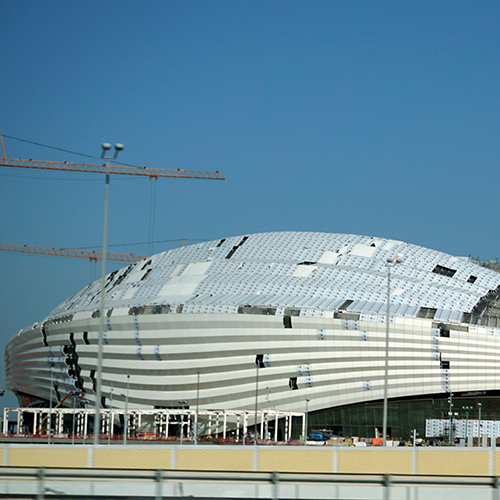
(302, 314)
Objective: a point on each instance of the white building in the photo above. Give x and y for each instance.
(190, 323)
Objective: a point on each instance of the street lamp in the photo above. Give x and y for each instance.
(415, 434)
(49, 427)
(125, 422)
(182, 402)
(110, 413)
(73, 427)
(390, 263)
(452, 415)
(97, 422)
(480, 405)
(261, 361)
(257, 363)
(197, 409)
(307, 414)
(466, 409)
(267, 414)
(84, 403)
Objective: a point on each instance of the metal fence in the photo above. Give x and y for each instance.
(41, 483)
(151, 423)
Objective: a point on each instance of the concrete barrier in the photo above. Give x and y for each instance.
(341, 460)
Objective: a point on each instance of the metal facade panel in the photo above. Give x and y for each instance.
(213, 306)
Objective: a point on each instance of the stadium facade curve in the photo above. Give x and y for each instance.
(310, 309)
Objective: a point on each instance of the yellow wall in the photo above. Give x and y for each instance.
(132, 458)
(294, 460)
(425, 461)
(375, 461)
(45, 456)
(221, 459)
(459, 462)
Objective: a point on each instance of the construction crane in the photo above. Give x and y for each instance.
(76, 394)
(64, 252)
(152, 173)
(107, 168)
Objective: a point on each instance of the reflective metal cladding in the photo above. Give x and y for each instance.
(311, 306)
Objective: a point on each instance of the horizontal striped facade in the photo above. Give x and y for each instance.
(188, 324)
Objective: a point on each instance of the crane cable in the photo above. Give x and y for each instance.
(152, 213)
(67, 151)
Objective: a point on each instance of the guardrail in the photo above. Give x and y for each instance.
(44, 483)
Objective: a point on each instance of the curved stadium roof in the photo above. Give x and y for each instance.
(311, 271)
(309, 304)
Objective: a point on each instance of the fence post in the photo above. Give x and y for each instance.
(41, 483)
(492, 455)
(495, 488)
(275, 479)
(256, 457)
(159, 481)
(387, 485)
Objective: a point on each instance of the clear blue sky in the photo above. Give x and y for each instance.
(368, 117)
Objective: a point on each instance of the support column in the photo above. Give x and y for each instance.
(244, 426)
(5, 420)
(59, 424)
(85, 424)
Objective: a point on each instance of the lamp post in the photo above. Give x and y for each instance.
(256, 400)
(125, 422)
(415, 437)
(97, 421)
(197, 408)
(480, 434)
(452, 415)
(261, 361)
(390, 263)
(182, 402)
(49, 427)
(85, 404)
(110, 413)
(74, 411)
(466, 409)
(267, 414)
(306, 427)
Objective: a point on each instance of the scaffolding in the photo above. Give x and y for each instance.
(154, 424)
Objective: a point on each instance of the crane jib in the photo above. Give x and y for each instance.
(113, 169)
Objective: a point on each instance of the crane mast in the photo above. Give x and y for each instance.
(107, 168)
